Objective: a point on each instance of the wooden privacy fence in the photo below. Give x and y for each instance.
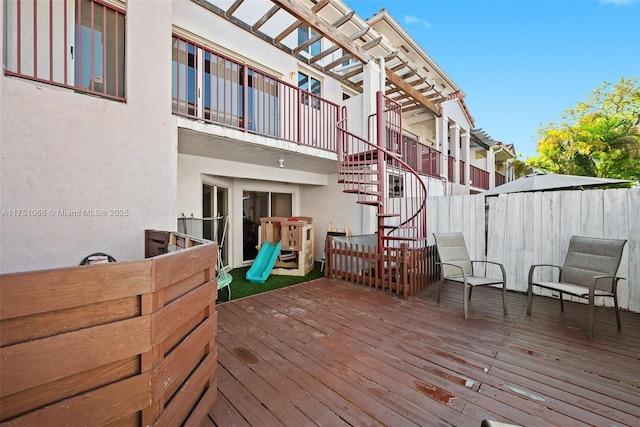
(522, 229)
(126, 343)
(406, 270)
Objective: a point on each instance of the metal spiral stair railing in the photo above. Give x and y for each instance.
(376, 173)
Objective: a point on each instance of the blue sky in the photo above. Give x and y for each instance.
(522, 63)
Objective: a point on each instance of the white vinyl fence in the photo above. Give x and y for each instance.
(522, 229)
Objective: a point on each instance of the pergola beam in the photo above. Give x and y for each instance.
(236, 4)
(313, 20)
(260, 22)
(291, 28)
(410, 91)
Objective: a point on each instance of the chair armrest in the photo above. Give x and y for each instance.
(504, 274)
(453, 265)
(534, 266)
(614, 285)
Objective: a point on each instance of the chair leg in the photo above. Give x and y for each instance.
(465, 299)
(470, 290)
(529, 298)
(561, 302)
(615, 304)
(591, 314)
(504, 298)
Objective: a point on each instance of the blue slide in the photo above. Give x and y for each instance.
(264, 262)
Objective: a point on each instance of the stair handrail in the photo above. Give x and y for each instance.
(342, 131)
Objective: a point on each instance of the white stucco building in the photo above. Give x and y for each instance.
(118, 117)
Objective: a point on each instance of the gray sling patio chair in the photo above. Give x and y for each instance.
(589, 271)
(456, 266)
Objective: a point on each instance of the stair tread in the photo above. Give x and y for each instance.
(344, 181)
(364, 193)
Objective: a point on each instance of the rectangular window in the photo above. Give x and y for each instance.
(311, 85)
(396, 186)
(305, 34)
(72, 43)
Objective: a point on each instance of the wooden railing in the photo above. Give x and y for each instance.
(407, 270)
(500, 179)
(479, 178)
(126, 343)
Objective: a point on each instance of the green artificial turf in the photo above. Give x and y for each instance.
(241, 287)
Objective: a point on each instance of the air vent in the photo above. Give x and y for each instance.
(404, 48)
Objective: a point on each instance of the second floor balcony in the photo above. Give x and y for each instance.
(214, 88)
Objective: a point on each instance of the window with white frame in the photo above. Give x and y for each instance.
(74, 43)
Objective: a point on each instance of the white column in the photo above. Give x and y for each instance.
(442, 142)
(455, 151)
(466, 150)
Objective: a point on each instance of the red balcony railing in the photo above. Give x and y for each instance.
(78, 45)
(479, 178)
(500, 179)
(430, 163)
(212, 87)
(422, 158)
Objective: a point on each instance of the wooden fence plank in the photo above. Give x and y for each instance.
(180, 265)
(42, 361)
(180, 311)
(633, 249)
(535, 228)
(102, 406)
(26, 328)
(192, 391)
(177, 365)
(64, 288)
(45, 394)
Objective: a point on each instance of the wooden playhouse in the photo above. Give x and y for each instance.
(296, 238)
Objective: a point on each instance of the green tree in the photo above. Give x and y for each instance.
(599, 137)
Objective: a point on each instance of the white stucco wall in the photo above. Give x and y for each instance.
(64, 152)
(223, 36)
(193, 171)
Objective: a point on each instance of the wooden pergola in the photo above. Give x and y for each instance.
(412, 79)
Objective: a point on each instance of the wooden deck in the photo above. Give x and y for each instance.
(331, 353)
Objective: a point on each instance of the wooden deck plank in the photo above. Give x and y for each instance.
(437, 382)
(328, 352)
(297, 337)
(399, 389)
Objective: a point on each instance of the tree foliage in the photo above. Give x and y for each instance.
(599, 137)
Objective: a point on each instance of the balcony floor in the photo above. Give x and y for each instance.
(331, 353)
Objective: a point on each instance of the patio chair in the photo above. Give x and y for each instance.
(589, 271)
(456, 266)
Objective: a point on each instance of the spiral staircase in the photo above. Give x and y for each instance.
(373, 169)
